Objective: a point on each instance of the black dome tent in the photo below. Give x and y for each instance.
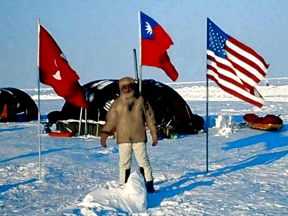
(172, 113)
(16, 106)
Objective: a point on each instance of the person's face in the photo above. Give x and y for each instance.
(127, 88)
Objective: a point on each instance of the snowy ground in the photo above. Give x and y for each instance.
(248, 168)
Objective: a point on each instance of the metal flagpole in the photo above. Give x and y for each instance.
(140, 56)
(98, 119)
(207, 123)
(39, 110)
(80, 121)
(135, 64)
(207, 119)
(86, 122)
(140, 80)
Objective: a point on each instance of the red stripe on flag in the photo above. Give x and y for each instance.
(249, 50)
(247, 61)
(221, 65)
(228, 79)
(242, 97)
(236, 94)
(245, 72)
(211, 77)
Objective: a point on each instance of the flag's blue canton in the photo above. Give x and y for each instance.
(147, 25)
(216, 39)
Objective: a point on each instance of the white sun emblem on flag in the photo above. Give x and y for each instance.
(148, 28)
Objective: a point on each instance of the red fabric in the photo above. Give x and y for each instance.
(272, 119)
(154, 52)
(55, 70)
(250, 117)
(60, 134)
(268, 119)
(4, 113)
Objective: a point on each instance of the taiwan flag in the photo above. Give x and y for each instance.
(154, 44)
(55, 70)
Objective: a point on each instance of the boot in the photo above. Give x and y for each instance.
(141, 169)
(127, 174)
(150, 187)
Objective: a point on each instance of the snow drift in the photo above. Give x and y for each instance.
(131, 197)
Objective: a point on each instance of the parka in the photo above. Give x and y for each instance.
(129, 115)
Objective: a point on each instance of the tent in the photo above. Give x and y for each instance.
(173, 115)
(16, 106)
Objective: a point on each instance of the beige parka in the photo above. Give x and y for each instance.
(129, 116)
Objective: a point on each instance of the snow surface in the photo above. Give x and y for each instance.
(248, 169)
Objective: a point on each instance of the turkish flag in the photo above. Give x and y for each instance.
(55, 70)
(154, 44)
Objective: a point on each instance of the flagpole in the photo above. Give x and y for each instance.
(207, 120)
(39, 110)
(140, 80)
(80, 121)
(86, 129)
(140, 52)
(135, 64)
(207, 123)
(98, 119)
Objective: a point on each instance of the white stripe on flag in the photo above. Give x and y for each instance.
(246, 55)
(235, 83)
(222, 70)
(253, 71)
(235, 88)
(246, 79)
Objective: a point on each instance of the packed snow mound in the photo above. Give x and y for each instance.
(131, 198)
(224, 125)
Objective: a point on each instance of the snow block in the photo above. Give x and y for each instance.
(131, 198)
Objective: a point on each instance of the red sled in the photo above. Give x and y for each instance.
(269, 122)
(60, 133)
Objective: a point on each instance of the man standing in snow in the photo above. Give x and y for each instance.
(128, 117)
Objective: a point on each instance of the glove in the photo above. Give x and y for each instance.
(155, 142)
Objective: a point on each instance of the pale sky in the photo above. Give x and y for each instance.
(97, 36)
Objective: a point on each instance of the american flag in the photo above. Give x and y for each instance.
(234, 66)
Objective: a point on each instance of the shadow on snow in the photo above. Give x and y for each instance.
(11, 129)
(185, 183)
(271, 139)
(45, 152)
(189, 180)
(7, 187)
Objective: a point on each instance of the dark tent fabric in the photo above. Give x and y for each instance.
(172, 113)
(17, 105)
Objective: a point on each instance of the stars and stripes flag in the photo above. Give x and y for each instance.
(234, 66)
(154, 45)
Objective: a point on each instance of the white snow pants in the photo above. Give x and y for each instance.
(125, 159)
